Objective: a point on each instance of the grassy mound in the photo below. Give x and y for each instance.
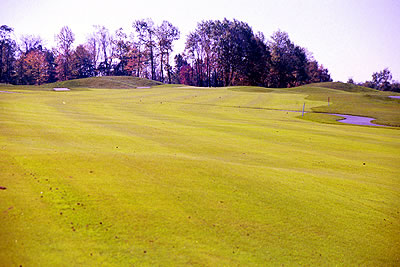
(109, 82)
(251, 89)
(5, 85)
(342, 86)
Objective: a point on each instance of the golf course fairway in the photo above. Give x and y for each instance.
(176, 175)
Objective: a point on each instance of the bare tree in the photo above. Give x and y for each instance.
(64, 44)
(166, 33)
(30, 42)
(140, 45)
(94, 50)
(146, 35)
(121, 52)
(104, 42)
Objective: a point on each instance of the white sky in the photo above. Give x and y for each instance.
(352, 38)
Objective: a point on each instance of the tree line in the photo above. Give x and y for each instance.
(217, 53)
(104, 54)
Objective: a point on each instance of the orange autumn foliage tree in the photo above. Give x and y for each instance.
(36, 67)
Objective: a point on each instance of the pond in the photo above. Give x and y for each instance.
(357, 120)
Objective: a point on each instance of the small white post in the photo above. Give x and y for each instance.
(304, 105)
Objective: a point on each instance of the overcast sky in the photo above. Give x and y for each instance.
(352, 38)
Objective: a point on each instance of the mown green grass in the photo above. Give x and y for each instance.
(187, 176)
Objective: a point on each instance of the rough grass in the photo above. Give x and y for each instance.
(187, 176)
